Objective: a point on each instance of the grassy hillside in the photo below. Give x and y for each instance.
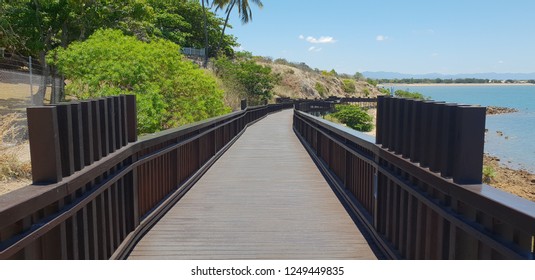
(299, 81)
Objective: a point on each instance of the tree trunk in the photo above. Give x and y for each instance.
(39, 97)
(224, 27)
(205, 63)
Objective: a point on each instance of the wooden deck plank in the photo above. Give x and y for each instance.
(263, 199)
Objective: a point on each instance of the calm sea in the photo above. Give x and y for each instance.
(516, 148)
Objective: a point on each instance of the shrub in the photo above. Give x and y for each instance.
(488, 174)
(320, 88)
(170, 90)
(256, 81)
(372, 82)
(408, 94)
(348, 86)
(354, 117)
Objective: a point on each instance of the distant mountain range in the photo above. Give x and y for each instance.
(490, 76)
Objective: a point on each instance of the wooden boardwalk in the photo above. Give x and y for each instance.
(263, 199)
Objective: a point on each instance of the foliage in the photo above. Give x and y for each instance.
(348, 86)
(31, 26)
(366, 92)
(372, 82)
(244, 10)
(256, 81)
(11, 133)
(359, 77)
(408, 94)
(488, 174)
(301, 65)
(35, 27)
(384, 91)
(331, 73)
(320, 88)
(170, 91)
(11, 167)
(354, 117)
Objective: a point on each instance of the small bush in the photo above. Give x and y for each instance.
(384, 91)
(371, 82)
(354, 117)
(348, 86)
(408, 94)
(320, 88)
(488, 174)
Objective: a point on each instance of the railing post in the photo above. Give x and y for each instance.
(87, 131)
(44, 144)
(379, 124)
(244, 104)
(468, 145)
(66, 142)
(131, 118)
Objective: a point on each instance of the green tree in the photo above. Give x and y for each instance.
(170, 91)
(34, 27)
(256, 81)
(244, 10)
(348, 86)
(354, 117)
(358, 76)
(371, 82)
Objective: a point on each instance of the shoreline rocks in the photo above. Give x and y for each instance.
(495, 110)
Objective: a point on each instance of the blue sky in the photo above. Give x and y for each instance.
(415, 37)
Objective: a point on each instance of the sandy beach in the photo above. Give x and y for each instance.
(455, 85)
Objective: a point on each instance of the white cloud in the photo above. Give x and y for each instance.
(314, 49)
(301, 37)
(500, 62)
(381, 38)
(320, 40)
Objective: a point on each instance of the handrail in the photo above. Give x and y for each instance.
(412, 212)
(92, 212)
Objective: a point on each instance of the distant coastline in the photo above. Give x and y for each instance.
(455, 85)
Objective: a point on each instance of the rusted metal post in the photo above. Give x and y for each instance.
(44, 144)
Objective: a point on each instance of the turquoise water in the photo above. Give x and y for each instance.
(516, 148)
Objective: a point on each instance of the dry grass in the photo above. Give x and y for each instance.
(15, 166)
(11, 168)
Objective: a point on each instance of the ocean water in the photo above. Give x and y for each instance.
(516, 147)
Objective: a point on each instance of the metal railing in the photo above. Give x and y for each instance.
(419, 191)
(193, 52)
(97, 189)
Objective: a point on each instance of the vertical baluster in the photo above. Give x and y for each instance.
(44, 143)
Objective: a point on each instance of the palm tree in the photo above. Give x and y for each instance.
(244, 10)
